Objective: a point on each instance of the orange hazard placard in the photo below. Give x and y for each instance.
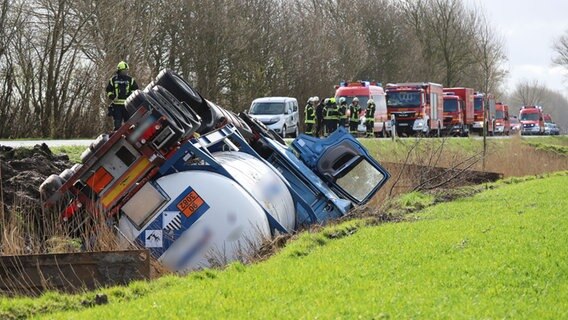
(190, 204)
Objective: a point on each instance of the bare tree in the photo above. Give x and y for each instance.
(560, 46)
(528, 93)
(489, 56)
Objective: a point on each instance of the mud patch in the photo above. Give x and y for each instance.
(22, 172)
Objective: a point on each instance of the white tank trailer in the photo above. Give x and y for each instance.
(196, 184)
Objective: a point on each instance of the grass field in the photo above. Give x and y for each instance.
(499, 254)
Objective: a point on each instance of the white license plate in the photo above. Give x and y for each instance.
(403, 124)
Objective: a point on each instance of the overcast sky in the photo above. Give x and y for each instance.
(529, 28)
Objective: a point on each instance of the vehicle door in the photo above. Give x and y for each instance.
(295, 113)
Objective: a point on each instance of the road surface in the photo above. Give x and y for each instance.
(50, 143)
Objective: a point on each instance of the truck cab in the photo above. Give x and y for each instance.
(532, 120)
(453, 118)
(482, 116)
(365, 90)
(417, 107)
(502, 122)
(458, 110)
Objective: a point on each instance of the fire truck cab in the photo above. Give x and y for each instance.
(532, 120)
(502, 123)
(418, 108)
(458, 110)
(365, 90)
(480, 116)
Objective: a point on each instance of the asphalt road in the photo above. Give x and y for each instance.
(50, 143)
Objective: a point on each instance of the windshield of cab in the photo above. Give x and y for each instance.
(478, 104)
(499, 114)
(450, 105)
(267, 108)
(529, 116)
(362, 100)
(403, 99)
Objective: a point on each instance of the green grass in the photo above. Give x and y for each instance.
(555, 140)
(74, 152)
(499, 254)
(555, 148)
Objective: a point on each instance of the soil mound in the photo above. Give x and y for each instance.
(22, 170)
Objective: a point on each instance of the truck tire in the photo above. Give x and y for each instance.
(157, 102)
(180, 89)
(157, 93)
(283, 134)
(134, 102)
(188, 113)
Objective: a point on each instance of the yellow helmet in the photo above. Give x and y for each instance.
(122, 66)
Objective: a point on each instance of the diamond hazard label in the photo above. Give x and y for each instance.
(190, 203)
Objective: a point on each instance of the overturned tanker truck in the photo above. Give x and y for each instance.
(186, 178)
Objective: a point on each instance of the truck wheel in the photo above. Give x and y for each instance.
(185, 93)
(188, 118)
(283, 132)
(171, 112)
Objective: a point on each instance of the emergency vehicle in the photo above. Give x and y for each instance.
(418, 107)
(532, 120)
(502, 122)
(458, 110)
(480, 115)
(365, 90)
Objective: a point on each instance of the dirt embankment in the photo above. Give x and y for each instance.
(22, 171)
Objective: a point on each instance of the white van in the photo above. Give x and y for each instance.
(277, 113)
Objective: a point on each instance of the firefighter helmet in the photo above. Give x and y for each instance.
(355, 99)
(122, 66)
(370, 102)
(316, 99)
(332, 100)
(342, 100)
(326, 101)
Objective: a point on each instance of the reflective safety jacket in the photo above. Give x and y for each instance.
(120, 87)
(355, 110)
(342, 111)
(331, 112)
(309, 114)
(370, 114)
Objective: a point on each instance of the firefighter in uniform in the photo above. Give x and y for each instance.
(310, 116)
(331, 116)
(370, 118)
(119, 87)
(320, 111)
(355, 110)
(342, 112)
